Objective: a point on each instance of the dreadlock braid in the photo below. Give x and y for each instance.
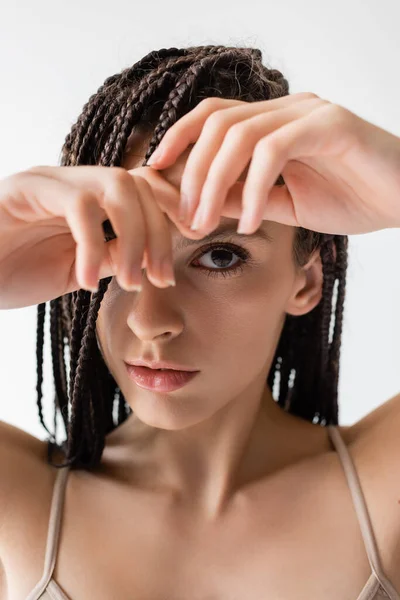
(179, 100)
(92, 106)
(41, 316)
(153, 94)
(129, 115)
(100, 122)
(57, 351)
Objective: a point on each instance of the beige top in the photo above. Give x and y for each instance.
(378, 586)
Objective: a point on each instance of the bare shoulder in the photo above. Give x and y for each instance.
(23, 458)
(376, 445)
(18, 438)
(383, 413)
(380, 429)
(15, 443)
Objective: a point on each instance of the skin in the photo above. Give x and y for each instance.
(223, 430)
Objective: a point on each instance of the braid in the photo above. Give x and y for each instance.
(111, 107)
(59, 371)
(41, 315)
(155, 92)
(130, 114)
(186, 88)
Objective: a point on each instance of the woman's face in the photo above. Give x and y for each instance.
(224, 317)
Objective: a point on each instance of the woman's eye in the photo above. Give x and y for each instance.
(221, 257)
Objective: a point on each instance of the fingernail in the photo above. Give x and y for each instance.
(184, 208)
(155, 156)
(132, 287)
(168, 272)
(246, 223)
(198, 220)
(244, 227)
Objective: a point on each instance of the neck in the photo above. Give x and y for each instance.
(207, 465)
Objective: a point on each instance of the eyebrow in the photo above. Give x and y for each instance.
(224, 231)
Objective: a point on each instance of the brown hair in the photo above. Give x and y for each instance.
(154, 93)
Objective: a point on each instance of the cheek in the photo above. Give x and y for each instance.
(243, 329)
(111, 309)
(259, 326)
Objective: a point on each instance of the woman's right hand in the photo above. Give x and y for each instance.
(51, 236)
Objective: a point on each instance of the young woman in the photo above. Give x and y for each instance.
(227, 476)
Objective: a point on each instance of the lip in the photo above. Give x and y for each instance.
(159, 381)
(159, 364)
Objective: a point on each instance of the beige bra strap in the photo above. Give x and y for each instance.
(53, 534)
(361, 509)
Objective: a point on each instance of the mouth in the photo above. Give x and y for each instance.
(166, 365)
(159, 380)
(170, 370)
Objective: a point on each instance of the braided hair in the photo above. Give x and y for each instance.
(153, 94)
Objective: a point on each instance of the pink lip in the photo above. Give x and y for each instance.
(159, 381)
(159, 364)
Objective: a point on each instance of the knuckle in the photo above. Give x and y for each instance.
(118, 187)
(119, 180)
(341, 118)
(143, 172)
(268, 147)
(144, 190)
(338, 113)
(81, 200)
(238, 132)
(214, 123)
(348, 125)
(321, 103)
(10, 183)
(211, 103)
(308, 95)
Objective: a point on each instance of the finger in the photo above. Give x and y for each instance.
(234, 155)
(84, 218)
(311, 135)
(187, 128)
(124, 209)
(172, 212)
(78, 208)
(93, 178)
(221, 168)
(202, 156)
(279, 208)
(167, 196)
(158, 237)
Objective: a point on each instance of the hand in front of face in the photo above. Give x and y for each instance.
(53, 231)
(341, 173)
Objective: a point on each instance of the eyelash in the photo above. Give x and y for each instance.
(243, 254)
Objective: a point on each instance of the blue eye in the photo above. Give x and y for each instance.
(221, 253)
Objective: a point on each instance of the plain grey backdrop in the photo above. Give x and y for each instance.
(54, 56)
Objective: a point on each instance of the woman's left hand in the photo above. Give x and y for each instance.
(341, 173)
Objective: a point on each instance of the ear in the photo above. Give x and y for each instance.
(307, 289)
